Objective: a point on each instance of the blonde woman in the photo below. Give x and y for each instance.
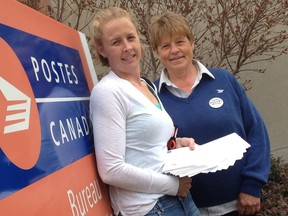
(131, 127)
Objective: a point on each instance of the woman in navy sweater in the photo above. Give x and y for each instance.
(207, 104)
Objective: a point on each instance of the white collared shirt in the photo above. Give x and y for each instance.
(201, 69)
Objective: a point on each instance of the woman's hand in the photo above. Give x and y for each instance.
(248, 205)
(184, 186)
(185, 142)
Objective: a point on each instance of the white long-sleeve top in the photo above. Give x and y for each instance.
(130, 137)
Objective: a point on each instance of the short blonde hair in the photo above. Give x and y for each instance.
(101, 18)
(168, 24)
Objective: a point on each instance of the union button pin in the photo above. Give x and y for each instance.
(216, 102)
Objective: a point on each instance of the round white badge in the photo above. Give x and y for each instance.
(216, 102)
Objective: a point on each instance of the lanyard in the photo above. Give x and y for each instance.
(171, 144)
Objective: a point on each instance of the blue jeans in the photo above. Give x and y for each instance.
(172, 206)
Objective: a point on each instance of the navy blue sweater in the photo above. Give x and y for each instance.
(196, 117)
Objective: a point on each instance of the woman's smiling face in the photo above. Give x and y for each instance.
(121, 45)
(175, 52)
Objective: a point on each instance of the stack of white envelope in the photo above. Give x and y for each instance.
(216, 155)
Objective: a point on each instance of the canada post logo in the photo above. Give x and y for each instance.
(20, 131)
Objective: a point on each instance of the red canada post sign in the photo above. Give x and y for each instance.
(47, 160)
